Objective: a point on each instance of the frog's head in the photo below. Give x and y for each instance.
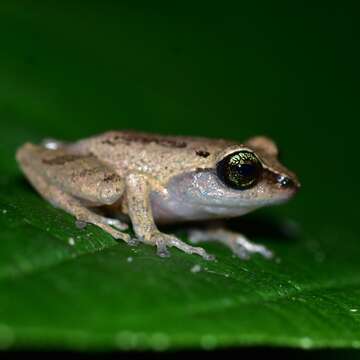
(240, 178)
(253, 172)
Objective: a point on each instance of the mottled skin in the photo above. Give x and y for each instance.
(154, 179)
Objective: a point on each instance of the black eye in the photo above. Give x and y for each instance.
(240, 170)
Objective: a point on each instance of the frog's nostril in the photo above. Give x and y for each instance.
(285, 182)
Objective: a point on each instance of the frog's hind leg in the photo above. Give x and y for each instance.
(238, 243)
(64, 188)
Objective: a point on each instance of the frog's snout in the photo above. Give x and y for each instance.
(288, 183)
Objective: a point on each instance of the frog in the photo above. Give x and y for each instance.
(150, 180)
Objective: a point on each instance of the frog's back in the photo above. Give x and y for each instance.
(159, 155)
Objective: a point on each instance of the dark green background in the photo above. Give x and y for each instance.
(286, 70)
(290, 70)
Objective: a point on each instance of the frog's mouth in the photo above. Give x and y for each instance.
(204, 190)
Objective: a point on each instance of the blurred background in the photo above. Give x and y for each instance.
(232, 69)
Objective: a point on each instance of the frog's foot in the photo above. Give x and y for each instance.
(107, 226)
(117, 224)
(239, 244)
(163, 241)
(111, 227)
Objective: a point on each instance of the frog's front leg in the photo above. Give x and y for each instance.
(238, 243)
(138, 188)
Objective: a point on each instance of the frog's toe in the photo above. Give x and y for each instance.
(190, 249)
(240, 252)
(163, 241)
(162, 249)
(117, 224)
(264, 251)
(243, 248)
(101, 222)
(133, 241)
(197, 236)
(115, 233)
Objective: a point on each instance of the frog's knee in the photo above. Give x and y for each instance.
(110, 191)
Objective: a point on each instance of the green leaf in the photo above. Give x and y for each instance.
(71, 70)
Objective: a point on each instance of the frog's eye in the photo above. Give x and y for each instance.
(240, 170)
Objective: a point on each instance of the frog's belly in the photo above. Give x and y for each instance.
(172, 209)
